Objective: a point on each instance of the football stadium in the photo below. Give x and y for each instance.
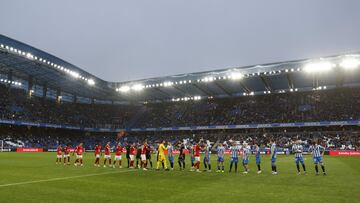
(286, 131)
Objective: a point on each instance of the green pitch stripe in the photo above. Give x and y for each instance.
(62, 178)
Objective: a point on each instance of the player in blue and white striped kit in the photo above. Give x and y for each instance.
(258, 157)
(245, 161)
(220, 157)
(192, 158)
(171, 156)
(317, 151)
(297, 149)
(273, 157)
(207, 164)
(235, 150)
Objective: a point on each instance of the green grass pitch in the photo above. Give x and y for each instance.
(34, 177)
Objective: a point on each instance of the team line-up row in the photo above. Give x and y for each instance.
(142, 155)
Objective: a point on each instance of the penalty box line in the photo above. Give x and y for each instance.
(62, 178)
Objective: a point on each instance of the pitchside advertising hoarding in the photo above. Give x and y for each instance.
(29, 149)
(344, 153)
(330, 152)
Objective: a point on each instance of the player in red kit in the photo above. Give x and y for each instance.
(118, 153)
(197, 150)
(144, 149)
(97, 155)
(67, 155)
(58, 154)
(107, 155)
(79, 150)
(132, 155)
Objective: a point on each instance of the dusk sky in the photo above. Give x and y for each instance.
(126, 40)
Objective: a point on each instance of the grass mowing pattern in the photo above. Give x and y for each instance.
(123, 185)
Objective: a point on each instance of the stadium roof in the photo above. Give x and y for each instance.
(25, 61)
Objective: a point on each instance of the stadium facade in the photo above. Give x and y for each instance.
(41, 74)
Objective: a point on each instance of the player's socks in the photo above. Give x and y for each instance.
(304, 167)
(231, 164)
(298, 168)
(223, 167)
(259, 169)
(316, 169)
(236, 166)
(209, 165)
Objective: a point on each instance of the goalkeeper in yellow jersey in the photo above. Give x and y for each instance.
(161, 156)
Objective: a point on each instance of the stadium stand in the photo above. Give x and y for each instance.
(46, 101)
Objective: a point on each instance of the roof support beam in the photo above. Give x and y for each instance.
(290, 81)
(266, 83)
(222, 88)
(207, 93)
(243, 86)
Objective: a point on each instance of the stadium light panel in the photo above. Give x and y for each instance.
(91, 82)
(318, 67)
(236, 76)
(137, 87)
(124, 88)
(350, 63)
(74, 74)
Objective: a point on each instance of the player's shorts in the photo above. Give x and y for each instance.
(318, 160)
(59, 156)
(97, 155)
(234, 159)
(138, 156)
(107, 156)
(66, 155)
(207, 159)
(79, 156)
(220, 159)
(131, 157)
(192, 159)
(143, 157)
(181, 157)
(258, 160)
(299, 159)
(197, 158)
(148, 156)
(245, 161)
(273, 160)
(161, 157)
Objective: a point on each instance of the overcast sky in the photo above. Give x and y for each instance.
(125, 40)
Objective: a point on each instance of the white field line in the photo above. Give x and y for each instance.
(62, 178)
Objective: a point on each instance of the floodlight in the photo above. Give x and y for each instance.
(236, 76)
(74, 74)
(350, 63)
(137, 87)
(124, 88)
(318, 67)
(91, 82)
